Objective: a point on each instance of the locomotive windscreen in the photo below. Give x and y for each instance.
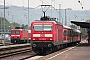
(42, 27)
(15, 32)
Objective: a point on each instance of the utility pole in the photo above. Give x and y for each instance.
(13, 25)
(52, 1)
(59, 12)
(28, 19)
(51, 8)
(4, 22)
(1, 23)
(65, 18)
(28, 14)
(66, 15)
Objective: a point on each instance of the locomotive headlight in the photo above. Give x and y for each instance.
(34, 45)
(33, 38)
(50, 38)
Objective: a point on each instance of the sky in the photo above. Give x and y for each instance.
(73, 4)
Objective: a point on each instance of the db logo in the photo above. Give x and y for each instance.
(42, 35)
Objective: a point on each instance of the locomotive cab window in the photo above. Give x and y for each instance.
(45, 27)
(15, 32)
(37, 27)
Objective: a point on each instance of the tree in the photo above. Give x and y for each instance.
(7, 24)
(24, 26)
(88, 21)
(14, 24)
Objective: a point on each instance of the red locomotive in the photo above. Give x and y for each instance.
(48, 35)
(19, 35)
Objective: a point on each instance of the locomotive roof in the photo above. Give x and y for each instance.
(48, 21)
(66, 27)
(16, 29)
(77, 30)
(72, 28)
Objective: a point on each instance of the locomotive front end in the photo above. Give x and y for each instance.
(42, 37)
(15, 36)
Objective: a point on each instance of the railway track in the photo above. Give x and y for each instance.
(21, 53)
(6, 52)
(10, 53)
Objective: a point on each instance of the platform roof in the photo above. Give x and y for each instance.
(81, 24)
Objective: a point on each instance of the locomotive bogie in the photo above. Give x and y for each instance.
(42, 46)
(18, 40)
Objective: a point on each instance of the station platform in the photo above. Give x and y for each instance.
(80, 52)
